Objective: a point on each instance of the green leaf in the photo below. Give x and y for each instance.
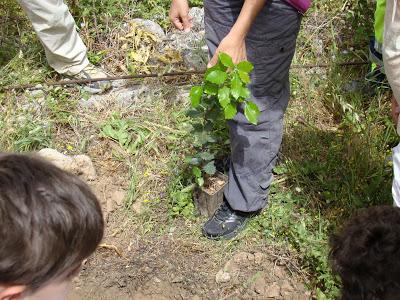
(200, 181)
(251, 112)
(108, 131)
(196, 172)
(244, 76)
(226, 60)
(210, 89)
(210, 139)
(210, 168)
(204, 138)
(224, 96)
(192, 160)
(195, 95)
(217, 77)
(245, 93)
(236, 86)
(245, 66)
(213, 68)
(230, 111)
(193, 113)
(280, 170)
(206, 156)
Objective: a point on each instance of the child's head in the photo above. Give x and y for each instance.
(50, 221)
(366, 254)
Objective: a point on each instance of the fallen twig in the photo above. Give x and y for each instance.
(111, 247)
(74, 82)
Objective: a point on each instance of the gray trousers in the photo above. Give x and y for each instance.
(270, 46)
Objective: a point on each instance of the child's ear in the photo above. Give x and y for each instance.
(12, 292)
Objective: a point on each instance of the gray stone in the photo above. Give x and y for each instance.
(197, 14)
(195, 59)
(318, 45)
(124, 96)
(37, 94)
(222, 276)
(152, 27)
(192, 47)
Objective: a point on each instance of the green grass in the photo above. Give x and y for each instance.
(336, 145)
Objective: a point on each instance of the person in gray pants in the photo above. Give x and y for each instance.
(265, 33)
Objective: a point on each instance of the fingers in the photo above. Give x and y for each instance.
(177, 23)
(187, 22)
(179, 15)
(213, 60)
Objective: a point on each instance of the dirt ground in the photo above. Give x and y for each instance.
(149, 257)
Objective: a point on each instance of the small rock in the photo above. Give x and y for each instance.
(231, 267)
(279, 272)
(243, 257)
(299, 287)
(156, 280)
(60, 160)
(118, 197)
(318, 46)
(80, 165)
(152, 27)
(109, 207)
(37, 94)
(137, 207)
(273, 291)
(286, 288)
(195, 297)
(258, 258)
(260, 285)
(177, 279)
(147, 270)
(222, 276)
(122, 282)
(84, 165)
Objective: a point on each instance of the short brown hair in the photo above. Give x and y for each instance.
(50, 221)
(365, 254)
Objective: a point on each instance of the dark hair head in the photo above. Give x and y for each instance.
(366, 254)
(50, 221)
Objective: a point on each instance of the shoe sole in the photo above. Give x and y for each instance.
(228, 236)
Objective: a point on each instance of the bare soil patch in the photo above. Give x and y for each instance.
(143, 257)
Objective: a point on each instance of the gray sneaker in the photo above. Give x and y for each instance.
(92, 72)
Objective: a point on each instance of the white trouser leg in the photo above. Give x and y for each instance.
(391, 46)
(391, 60)
(55, 28)
(396, 178)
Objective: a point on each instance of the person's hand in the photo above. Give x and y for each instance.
(395, 111)
(235, 47)
(179, 15)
